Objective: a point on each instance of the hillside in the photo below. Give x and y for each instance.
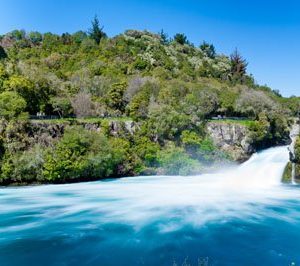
(169, 87)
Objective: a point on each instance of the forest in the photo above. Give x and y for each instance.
(168, 87)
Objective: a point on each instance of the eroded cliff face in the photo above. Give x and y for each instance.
(231, 138)
(43, 132)
(228, 137)
(292, 171)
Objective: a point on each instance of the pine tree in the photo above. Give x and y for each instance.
(164, 37)
(238, 67)
(181, 38)
(208, 49)
(96, 32)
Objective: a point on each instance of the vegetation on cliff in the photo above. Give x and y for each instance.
(168, 86)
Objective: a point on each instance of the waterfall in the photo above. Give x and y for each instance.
(139, 200)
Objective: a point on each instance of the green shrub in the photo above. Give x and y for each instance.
(11, 105)
(297, 150)
(174, 161)
(79, 155)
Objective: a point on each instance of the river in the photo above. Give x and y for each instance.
(242, 215)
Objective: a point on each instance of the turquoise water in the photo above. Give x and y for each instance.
(241, 216)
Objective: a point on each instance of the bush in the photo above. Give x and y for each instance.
(25, 167)
(174, 161)
(79, 155)
(297, 150)
(11, 105)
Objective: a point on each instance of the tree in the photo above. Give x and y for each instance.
(252, 102)
(66, 38)
(62, 106)
(50, 41)
(165, 123)
(3, 76)
(3, 54)
(208, 49)
(17, 35)
(79, 36)
(35, 37)
(28, 90)
(238, 67)
(180, 38)
(11, 105)
(200, 104)
(164, 37)
(115, 97)
(82, 105)
(81, 155)
(96, 32)
(174, 161)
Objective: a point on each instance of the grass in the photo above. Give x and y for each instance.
(244, 122)
(93, 120)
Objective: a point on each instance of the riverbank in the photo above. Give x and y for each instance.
(88, 150)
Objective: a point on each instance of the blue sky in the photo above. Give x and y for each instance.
(266, 32)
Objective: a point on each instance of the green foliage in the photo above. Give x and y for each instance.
(260, 129)
(17, 35)
(79, 36)
(23, 168)
(146, 150)
(200, 103)
(180, 38)
(227, 100)
(164, 37)
(287, 173)
(297, 150)
(96, 32)
(141, 64)
(79, 154)
(169, 88)
(3, 54)
(238, 67)
(165, 123)
(208, 50)
(139, 103)
(115, 97)
(50, 41)
(35, 95)
(35, 37)
(62, 106)
(11, 105)
(269, 129)
(191, 140)
(174, 161)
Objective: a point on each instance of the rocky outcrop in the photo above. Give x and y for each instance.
(232, 138)
(229, 137)
(292, 171)
(45, 133)
(127, 127)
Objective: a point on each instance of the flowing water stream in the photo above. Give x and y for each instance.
(242, 215)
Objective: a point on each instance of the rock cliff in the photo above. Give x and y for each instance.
(292, 171)
(233, 138)
(229, 137)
